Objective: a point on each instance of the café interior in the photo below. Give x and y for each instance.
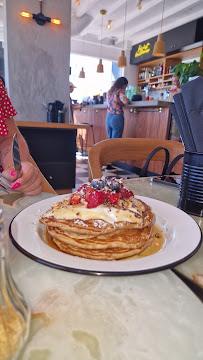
(104, 265)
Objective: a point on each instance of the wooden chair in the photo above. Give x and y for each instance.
(46, 187)
(124, 149)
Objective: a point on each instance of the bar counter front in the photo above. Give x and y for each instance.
(143, 119)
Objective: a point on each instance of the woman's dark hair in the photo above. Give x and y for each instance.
(119, 83)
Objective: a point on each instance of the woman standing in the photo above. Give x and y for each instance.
(116, 99)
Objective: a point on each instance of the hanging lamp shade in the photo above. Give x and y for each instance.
(159, 46)
(122, 60)
(82, 74)
(100, 68)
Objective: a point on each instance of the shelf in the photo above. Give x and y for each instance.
(168, 80)
(155, 77)
(169, 74)
(143, 81)
(154, 83)
(166, 87)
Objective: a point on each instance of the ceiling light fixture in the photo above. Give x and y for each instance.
(139, 4)
(100, 68)
(109, 24)
(159, 46)
(122, 58)
(77, 3)
(40, 18)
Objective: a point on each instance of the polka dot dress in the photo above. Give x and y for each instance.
(6, 110)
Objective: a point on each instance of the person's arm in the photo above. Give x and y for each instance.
(124, 98)
(77, 106)
(29, 181)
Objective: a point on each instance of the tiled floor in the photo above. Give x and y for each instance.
(82, 172)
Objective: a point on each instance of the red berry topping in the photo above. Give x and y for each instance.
(112, 197)
(88, 192)
(83, 187)
(75, 199)
(125, 193)
(95, 199)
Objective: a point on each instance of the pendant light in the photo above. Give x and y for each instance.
(159, 46)
(139, 4)
(109, 25)
(82, 73)
(122, 58)
(100, 68)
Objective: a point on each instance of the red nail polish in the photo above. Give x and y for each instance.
(13, 173)
(15, 186)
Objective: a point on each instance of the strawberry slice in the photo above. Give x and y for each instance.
(75, 199)
(88, 192)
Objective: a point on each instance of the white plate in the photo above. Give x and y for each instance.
(182, 240)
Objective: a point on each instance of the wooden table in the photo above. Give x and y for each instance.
(74, 316)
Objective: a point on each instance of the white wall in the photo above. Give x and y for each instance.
(130, 72)
(36, 57)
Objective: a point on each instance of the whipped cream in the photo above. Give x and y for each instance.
(101, 212)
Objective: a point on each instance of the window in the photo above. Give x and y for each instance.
(94, 83)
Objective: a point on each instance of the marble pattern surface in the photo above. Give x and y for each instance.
(192, 268)
(74, 316)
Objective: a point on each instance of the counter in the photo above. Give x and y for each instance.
(53, 147)
(143, 119)
(151, 103)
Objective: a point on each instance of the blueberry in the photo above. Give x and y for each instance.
(114, 185)
(97, 184)
(104, 182)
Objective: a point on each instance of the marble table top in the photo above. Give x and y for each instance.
(74, 316)
(192, 268)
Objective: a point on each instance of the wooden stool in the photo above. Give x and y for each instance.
(87, 127)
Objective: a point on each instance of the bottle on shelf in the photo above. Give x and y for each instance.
(154, 72)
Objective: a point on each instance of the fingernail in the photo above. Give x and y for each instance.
(15, 186)
(13, 173)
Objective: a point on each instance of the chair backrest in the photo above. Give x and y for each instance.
(46, 187)
(111, 150)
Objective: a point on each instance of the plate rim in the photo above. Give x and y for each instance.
(45, 262)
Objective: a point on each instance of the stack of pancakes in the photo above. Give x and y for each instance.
(106, 232)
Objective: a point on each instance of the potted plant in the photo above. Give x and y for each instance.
(186, 70)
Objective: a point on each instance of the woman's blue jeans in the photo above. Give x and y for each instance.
(114, 125)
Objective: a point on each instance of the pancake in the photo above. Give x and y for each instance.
(108, 223)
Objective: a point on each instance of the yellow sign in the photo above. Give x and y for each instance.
(143, 49)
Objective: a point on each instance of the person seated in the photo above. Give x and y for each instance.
(29, 179)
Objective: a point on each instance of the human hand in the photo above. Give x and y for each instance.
(29, 181)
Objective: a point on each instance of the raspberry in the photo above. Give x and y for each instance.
(75, 199)
(83, 187)
(95, 199)
(125, 193)
(88, 192)
(112, 197)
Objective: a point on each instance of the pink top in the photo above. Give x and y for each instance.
(6, 110)
(116, 101)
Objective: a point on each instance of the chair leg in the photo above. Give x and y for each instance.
(93, 134)
(86, 140)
